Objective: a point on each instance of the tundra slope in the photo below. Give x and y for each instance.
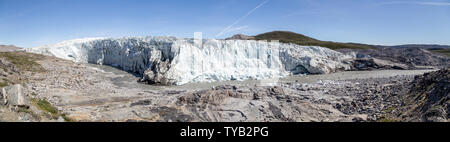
(177, 61)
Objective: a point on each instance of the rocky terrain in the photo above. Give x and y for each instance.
(428, 99)
(15, 70)
(413, 58)
(68, 91)
(167, 79)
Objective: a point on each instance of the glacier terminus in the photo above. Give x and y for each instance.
(177, 61)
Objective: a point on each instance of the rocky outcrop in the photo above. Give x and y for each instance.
(177, 61)
(373, 63)
(14, 96)
(423, 99)
(258, 104)
(7, 67)
(429, 98)
(413, 58)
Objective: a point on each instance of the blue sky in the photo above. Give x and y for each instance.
(29, 23)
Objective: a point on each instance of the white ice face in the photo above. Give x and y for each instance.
(219, 60)
(170, 60)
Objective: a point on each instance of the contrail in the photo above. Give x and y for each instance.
(240, 19)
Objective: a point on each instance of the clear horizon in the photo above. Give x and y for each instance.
(30, 23)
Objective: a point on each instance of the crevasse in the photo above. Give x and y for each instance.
(177, 61)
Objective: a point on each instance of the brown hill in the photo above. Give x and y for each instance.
(8, 48)
(299, 39)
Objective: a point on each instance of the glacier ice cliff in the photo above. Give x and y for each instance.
(177, 61)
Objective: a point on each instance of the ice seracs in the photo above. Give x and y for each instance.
(69, 50)
(177, 61)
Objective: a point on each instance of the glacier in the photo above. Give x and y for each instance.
(178, 61)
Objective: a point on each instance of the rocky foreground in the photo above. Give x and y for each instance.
(67, 91)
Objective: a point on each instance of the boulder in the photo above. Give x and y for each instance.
(13, 95)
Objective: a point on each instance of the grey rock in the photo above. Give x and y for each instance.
(141, 103)
(14, 96)
(373, 63)
(60, 119)
(358, 119)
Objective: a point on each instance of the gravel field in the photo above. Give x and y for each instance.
(126, 79)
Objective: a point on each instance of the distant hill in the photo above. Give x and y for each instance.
(443, 51)
(299, 39)
(440, 49)
(241, 37)
(8, 48)
(423, 46)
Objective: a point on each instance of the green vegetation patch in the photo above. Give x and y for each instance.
(25, 110)
(28, 111)
(67, 119)
(385, 120)
(46, 106)
(390, 109)
(442, 51)
(299, 39)
(3, 84)
(24, 61)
